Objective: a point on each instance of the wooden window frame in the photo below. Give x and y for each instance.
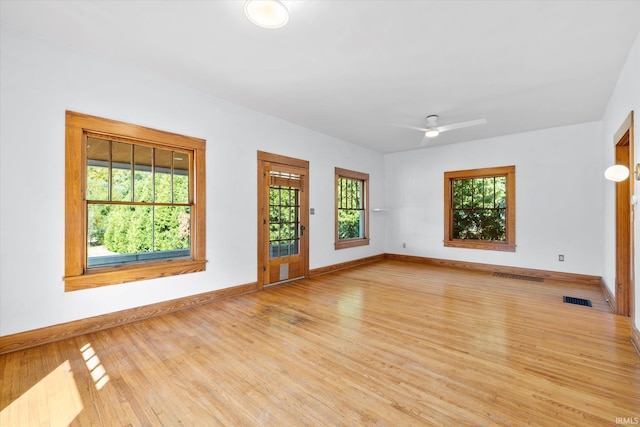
(509, 245)
(77, 275)
(359, 241)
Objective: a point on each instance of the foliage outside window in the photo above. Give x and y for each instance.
(352, 212)
(480, 208)
(134, 203)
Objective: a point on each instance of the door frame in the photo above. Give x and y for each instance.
(624, 217)
(266, 160)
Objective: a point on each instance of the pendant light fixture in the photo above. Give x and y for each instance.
(266, 13)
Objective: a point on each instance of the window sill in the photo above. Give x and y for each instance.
(351, 243)
(479, 244)
(106, 276)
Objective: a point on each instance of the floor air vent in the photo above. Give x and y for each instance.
(578, 301)
(519, 277)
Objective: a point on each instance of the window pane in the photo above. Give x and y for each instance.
(273, 232)
(283, 217)
(180, 177)
(493, 225)
(162, 168)
(96, 224)
(350, 208)
(476, 191)
(97, 183)
(459, 224)
(292, 231)
(349, 224)
(171, 228)
(285, 214)
(117, 230)
(457, 194)
(489, 193)
(121, 234)
(467, 191)
(273, 214)
(478, 208)
(276, 196)
(142, 175)
(501, 191)
(479, 224)
(120, 172)
(349, 193)
(97, 169)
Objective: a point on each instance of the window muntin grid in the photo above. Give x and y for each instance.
(137, 202)
(479, 208)
(351, 207)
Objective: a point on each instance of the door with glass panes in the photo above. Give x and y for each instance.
(283, 219)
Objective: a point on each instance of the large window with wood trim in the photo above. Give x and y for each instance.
(134, 203)
(480, 208)
(352, 211)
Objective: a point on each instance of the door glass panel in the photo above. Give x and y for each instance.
(284, 214)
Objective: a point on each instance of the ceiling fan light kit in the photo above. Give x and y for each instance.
(432, 129)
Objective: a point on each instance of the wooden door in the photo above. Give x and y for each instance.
(283, 212)
(624, 286)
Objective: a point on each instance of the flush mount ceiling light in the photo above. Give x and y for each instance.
(266, 13)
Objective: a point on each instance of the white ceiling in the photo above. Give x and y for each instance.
(355, 69)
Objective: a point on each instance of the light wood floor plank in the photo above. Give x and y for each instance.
(389, 343)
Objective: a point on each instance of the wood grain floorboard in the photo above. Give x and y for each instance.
(388, 344)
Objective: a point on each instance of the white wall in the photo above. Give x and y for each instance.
(39, 81)
(560, 190)
(625, 98)
(558, 194)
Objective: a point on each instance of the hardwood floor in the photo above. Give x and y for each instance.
(390, 343)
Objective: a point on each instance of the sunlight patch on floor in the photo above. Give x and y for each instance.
(98, 373)
(53, 401)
